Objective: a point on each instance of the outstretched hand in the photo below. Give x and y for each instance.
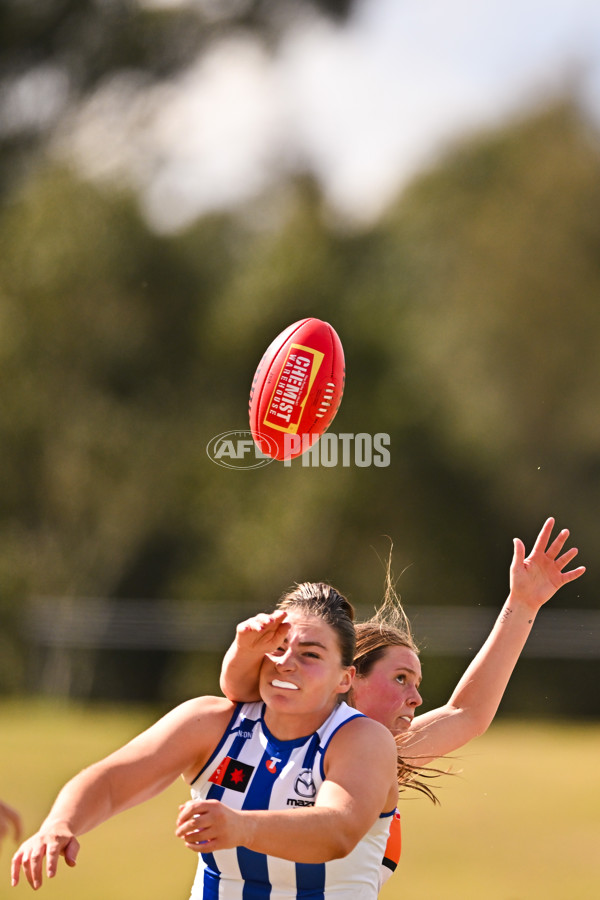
(262, 633)
(48, 844)
(538, 577)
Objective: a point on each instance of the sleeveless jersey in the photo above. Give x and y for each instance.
(393, 849)
(251, 769)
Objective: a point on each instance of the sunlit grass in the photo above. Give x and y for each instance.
(134, 855)
(519, 820)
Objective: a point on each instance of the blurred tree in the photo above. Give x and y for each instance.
(53, 54)
(502, 249)
(98, 344)
(469, 319)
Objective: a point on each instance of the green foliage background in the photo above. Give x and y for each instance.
(470, 321)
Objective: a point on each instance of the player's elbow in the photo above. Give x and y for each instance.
(333, 843)
(337, 849)
(342, 850)
(471, 722)
(479, 723)
(343, 843)
(226, 690)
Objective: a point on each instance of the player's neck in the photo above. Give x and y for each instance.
(292, 726)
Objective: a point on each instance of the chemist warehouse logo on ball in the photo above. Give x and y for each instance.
(237, 450)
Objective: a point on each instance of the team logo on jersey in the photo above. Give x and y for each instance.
(271, 765)
(232, 774)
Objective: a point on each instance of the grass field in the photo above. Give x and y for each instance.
(519, 821)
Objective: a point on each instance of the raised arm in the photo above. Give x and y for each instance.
(471, 708)
(347, 805)
(148, 764)
(241, 664)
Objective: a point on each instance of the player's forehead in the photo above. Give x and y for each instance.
(397, 657)
(307, 629)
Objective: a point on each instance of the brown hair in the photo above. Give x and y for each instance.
(362, 644)
(325, 602)
(390, 627)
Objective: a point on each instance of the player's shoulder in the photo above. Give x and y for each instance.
(364, 749)
(200, 724)
(207, 705)
(364, 731)
(200, 712)
(362, 724)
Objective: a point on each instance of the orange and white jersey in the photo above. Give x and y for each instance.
(391, 857)
(251, 769)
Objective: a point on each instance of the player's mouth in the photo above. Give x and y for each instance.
(407, 719)
(284, 685)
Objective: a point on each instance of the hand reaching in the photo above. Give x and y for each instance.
(49, 844)
(535, 579)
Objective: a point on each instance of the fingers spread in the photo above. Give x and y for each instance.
(544, 536)
(15, 869)
(573, 574)
(566, 558)
(557, 544)
(519, 552)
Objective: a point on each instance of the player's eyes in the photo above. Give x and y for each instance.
(401, 679)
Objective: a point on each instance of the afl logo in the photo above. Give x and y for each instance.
(238, 450)
(305, 786)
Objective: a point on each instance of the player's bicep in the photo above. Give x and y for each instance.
(154, 759)
(360, 774)
(435, 734)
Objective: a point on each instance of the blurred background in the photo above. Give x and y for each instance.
(179, 181)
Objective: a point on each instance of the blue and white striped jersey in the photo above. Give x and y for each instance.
(251, 769)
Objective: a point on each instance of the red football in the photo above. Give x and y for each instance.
(297, 389)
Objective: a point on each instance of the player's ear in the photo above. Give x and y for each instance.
(346, 679)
